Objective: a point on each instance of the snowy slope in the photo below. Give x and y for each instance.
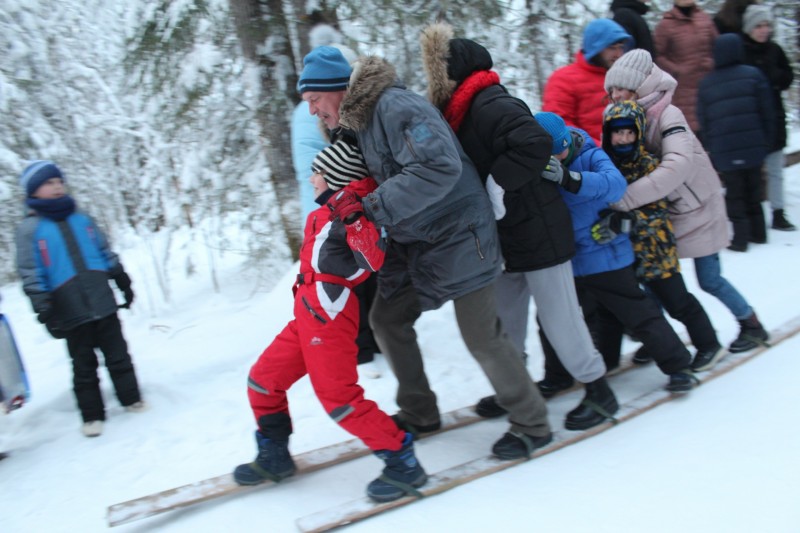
(723, 459)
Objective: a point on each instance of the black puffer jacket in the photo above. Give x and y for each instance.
(771, 60)
(500, 135)
(734, 109)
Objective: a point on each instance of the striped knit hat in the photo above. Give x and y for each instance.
(36, 174)
(340, 163)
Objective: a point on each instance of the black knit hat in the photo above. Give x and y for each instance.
(466, 57)
(340, 163)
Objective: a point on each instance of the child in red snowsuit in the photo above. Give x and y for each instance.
(339, 251)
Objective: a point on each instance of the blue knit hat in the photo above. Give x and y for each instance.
(325, 69)
(555, 126)
(36, 174)
(599, 34)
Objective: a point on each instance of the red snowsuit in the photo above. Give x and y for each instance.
(321, 340)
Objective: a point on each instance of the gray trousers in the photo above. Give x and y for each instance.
(774, 164)
(553, 290)
(392, 323)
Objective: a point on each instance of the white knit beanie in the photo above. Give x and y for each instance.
(755, 15)
(629, 71)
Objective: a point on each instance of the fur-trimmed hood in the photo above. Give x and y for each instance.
(371, 76)
(435, 42)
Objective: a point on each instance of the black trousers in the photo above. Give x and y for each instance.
(612, 302)
(105, 334)
(743, 201)
(685, 308)
(367, 346)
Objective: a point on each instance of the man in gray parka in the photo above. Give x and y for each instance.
(442, 238)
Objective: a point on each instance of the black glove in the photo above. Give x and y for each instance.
(46, 314)
(123, 281)
(346, 206)
(54, 331)
(558, 173)
(611, 224)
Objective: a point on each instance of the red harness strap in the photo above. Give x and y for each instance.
(306, 278)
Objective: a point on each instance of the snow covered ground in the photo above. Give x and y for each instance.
(724, 459)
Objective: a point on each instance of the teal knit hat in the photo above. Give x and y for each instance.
(325, 69)
(555, 126)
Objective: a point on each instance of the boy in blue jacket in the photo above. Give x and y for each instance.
(608, 290)
(65, 263)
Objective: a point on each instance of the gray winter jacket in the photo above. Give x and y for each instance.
(437, 214)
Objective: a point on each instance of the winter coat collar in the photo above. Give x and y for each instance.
(371, 76)
(462, 98)
(435, 43)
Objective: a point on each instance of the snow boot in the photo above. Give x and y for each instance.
(92, 428)
(415, 429)
(489, 408)
(706, 359)
(682, 382)
(273, 461)
(549, 387)
(752, 334)
(598, 405)
(515, 445)
(401, 476)
(780, 222)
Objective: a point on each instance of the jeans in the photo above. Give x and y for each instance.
(774, 164)
(709, 276)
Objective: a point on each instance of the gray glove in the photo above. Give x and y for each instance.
(556, 172)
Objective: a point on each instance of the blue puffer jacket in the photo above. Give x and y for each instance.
(71, 275)
(602, 185)
(735, 109)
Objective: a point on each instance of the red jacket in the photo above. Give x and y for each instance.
(576, 93)
(347, 253)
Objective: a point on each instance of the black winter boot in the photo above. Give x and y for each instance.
(706, 359)
(489, 408)
(598, 405)
(402, 475)
(780, 222)
(549, 387)
(515, 445)
(415, 429)
(273, 461)
(752, 334)
(682, 382)
(642, 356)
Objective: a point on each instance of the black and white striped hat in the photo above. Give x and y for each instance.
(340, 163)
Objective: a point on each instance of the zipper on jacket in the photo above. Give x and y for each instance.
(410, 147)
(477, 241)
(311, 310)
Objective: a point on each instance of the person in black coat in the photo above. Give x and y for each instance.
(736, 116)
(511, 151)
(630, 15)
(760, 51)
(729, 17)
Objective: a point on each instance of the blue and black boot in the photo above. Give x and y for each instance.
(402, 475)
(273, 462)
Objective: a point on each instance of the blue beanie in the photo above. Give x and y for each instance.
(555, 126)
(325, 69)
(599, 34)
(36, 174)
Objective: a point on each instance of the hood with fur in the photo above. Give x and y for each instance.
(435, 42)
(371, 76)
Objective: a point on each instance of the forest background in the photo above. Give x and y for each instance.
(170, 118)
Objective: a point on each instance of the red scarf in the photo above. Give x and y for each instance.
(459, 103)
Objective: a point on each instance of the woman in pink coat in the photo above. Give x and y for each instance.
(688, 181)
(684, 40)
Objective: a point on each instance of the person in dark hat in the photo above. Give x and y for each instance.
(630, 15)
(511, 150)
(65, 263)
(340, 250)
(762, 52)
(443, 243)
